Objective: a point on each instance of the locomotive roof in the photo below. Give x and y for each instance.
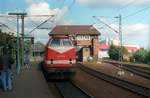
(74, 29)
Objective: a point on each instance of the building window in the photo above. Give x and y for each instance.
(79, 37)
(83, 37)
(86, 37)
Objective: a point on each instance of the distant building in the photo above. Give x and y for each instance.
(38, 49)
(103, 51)
(104, 47)
(85, 38)
(132, 48)
(110, 41)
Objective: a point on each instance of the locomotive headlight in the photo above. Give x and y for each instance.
(49, 61)
(70, 61)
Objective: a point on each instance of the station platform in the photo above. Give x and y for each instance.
(30, 83)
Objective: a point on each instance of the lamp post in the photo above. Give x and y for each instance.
(18, 48)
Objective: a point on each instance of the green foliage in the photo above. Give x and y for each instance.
(139, 56)
(8, 41)
(116, 52)
(28, 49)
(27, 45)
(113, 53)
(147, 57)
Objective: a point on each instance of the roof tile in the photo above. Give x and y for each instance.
(78, 29)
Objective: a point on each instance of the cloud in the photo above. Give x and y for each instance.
(43, 8)
(66, 22)
(29, 2)
(113, 3)
(132, 33)
(134, 29)
(39, 7)
(136, 34)
(130, 29)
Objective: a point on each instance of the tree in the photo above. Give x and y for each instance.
(7, 40)
(139, 56)
(147, 57)
(114, 52)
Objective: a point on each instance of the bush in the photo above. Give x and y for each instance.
(147, 57)
(139, 56)
(114, 52)
(7, 41)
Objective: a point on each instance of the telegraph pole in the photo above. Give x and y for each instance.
(120, 38)
(120, 72)
(149, 39)
(0, 28)
(18, 48)
(22, 41)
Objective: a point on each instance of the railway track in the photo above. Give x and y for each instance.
(143, 91)
(70, 90)
(146, 69)
(141, 71)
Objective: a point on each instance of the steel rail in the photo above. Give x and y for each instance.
(70, 90)
(135, 71)
(142, 70)
(114, 62)
(143, 91)
(132, 69)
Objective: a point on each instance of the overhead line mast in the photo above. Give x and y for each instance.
(120, 72)
(22, 15)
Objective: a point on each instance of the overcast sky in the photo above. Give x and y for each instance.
(135, 16)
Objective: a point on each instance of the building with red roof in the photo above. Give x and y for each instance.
(104, 48)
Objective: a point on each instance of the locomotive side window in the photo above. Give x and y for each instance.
(55, 42)
(66, 42)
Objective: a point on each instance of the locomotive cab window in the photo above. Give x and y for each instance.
(66, 42)
(55, 42)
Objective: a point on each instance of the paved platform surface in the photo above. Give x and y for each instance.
(29, 84)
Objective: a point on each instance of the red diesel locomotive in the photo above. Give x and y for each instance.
(60, 57)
